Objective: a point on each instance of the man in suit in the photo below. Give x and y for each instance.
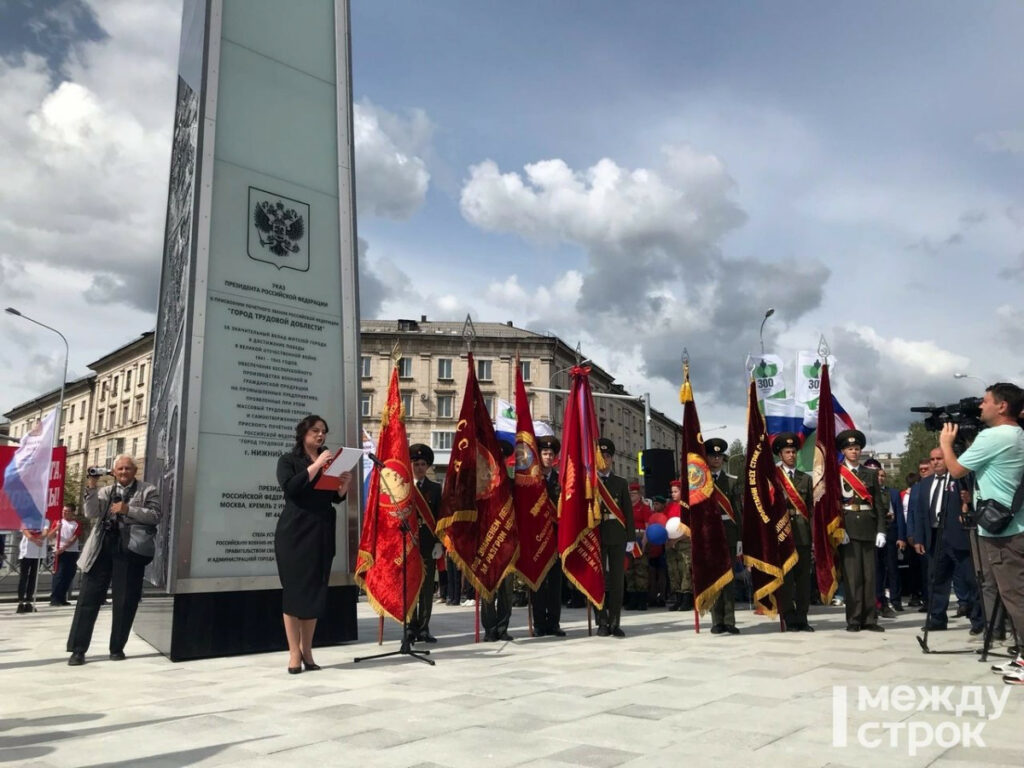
(547, 600)
(729, 501)
(614, 542)
(942, 538)
(795, 595)
(864, 522)
(917, 565)
(422, 458)
(887, 575)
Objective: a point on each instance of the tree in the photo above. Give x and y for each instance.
(919, 443)
(736, 446)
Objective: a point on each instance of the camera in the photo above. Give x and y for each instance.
(966, 414)
(97, 471)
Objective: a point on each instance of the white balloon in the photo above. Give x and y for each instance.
(675, 528)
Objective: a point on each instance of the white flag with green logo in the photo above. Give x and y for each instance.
(767, 373)
(808, 378)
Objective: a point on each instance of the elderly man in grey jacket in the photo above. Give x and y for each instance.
(106, 559)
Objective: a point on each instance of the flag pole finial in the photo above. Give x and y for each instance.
(685, 392)
(823, 348)
(468, 333)
(396, 354)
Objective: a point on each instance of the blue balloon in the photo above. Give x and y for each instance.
(656, 534)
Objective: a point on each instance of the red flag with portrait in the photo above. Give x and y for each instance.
(477, 514)
(711, 558)
(828, 524)
(392, 498)
(579, 506)
(768, 548)
(535, 513)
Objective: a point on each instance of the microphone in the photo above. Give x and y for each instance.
(373, 457)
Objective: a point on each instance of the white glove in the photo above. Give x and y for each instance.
(739, 548)
(846, 538)
(630, 546)
(880, 540)
(437, 551)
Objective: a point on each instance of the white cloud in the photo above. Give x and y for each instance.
(1011, 142)
(391, 174)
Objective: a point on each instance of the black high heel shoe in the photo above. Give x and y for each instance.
(310, 666)
(295, 670)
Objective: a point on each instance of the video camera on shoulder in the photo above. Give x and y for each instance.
(97, 472)
(966, 414)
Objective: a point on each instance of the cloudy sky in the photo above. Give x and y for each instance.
(636, 177)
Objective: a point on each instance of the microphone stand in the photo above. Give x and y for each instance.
(405, 649)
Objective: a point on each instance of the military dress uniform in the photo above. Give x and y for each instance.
(419, 627)
(547, 600)
(613, 548)
(863, 520)
(496, 613)
(795, 595)
(723, 612)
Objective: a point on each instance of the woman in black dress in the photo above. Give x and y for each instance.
(304, 539)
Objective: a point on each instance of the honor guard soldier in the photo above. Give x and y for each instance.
(864, 521)
(496, 613)
(422, 458)
(637, 563)
(727, 500)
(547, 600)
(795, 595)
(678, 554)
(614, 543)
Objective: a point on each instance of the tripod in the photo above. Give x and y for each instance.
(405, 649)
(997, 612)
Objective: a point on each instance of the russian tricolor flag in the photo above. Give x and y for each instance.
(27, 478)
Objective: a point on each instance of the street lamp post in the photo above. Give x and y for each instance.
(64, 378)
(968, 376)
(769, 313)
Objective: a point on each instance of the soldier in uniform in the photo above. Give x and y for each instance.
(638, 563)
(614, 544)
(864, 520)
(729, 502)
(678, 555)
(422, 458)
(496, 613)
(795, 595)
(547, 600)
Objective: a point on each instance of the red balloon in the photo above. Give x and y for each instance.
(657, 518)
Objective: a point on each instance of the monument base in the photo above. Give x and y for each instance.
(211, 624)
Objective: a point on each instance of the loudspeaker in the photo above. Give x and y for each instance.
(659, 469)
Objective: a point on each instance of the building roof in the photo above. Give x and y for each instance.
(426, 327)
(47, 397)
(143, 340)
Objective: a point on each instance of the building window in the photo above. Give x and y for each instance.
(124, 414)
(444, 406)
(405, 368)
(72, 411)
(442, 441)
(135, 443)
(138, 409)
(81, 412)
(142, 375)
(79, 441)
(524, 369)
(407, 404)
(115, 447)
(364, 366)
(113, 389)
(489, 405)
(96, 457)
(103, 390)
(366, 406)
(63, 416)
(111, 415)
(99, 422)
(483, 370)
(127, 380)
(444, 368)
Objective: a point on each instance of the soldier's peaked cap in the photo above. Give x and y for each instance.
(716, 446)
(785, 440)
(549, 443)
(606, 445)
(849, 437)
(419, 451)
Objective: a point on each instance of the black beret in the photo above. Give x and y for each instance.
(549, 443)
(419, 451)
(716, 446)
(785, 440)
(606, 445)
(849, 437)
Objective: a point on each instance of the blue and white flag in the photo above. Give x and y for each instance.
(27, 477)
(505, 423)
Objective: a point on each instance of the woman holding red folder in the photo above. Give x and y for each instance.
(304, 538)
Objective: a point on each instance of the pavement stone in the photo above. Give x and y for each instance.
(663, 696)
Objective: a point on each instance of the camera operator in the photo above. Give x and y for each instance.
(997, 459)
(107, 559)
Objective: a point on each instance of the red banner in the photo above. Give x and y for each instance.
(9, 518)
(579, 506)
(476, 507)
(392, 500)
(711, 558)
(768, 548)
(535, 514)
(828, 531)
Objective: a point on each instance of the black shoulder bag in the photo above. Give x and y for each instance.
(993, 517)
